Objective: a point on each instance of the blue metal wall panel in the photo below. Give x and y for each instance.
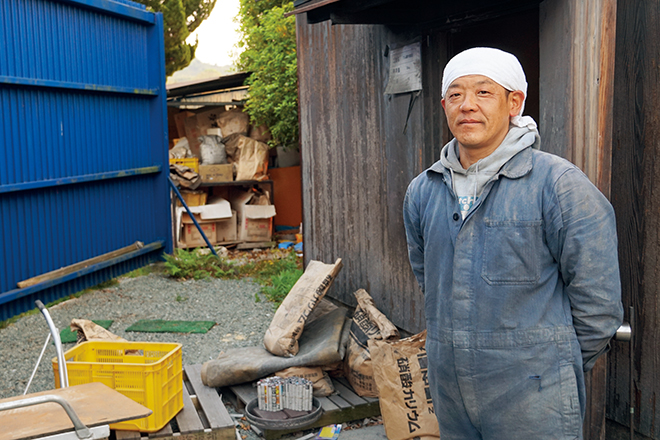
(83, 142)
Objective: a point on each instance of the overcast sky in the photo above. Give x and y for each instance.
(218, 34)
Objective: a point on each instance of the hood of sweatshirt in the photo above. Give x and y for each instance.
(469, 184)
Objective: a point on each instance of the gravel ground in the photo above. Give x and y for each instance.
(241, 321)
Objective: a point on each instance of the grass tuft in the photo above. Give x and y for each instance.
(276, 275)
(279, 285)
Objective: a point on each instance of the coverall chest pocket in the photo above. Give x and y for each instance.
(512, 252)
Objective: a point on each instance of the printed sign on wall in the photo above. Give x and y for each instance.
(405, 69)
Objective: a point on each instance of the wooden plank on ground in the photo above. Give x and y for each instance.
(337, 400)
(188, 419)
(208, 399)
(327, 404)
(166, 431)
(348, 394)
(203, 417)
(244, 394)
(127, 435)
(344, 382)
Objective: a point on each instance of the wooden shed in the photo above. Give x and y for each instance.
(592, 68)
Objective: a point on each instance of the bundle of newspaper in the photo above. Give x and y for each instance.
(278, 393)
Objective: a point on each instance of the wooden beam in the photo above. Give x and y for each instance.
(78, 266)
(310, 7)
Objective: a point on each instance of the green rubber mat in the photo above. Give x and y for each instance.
(160, 326)
(66, 335)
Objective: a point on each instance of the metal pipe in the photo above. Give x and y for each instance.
(38, 362)
(82, 431)
(64, 379)
(199, 228)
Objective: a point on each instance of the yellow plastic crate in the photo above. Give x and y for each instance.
(191, 162)
(150, 373)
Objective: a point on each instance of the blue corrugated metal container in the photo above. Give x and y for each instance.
(83, 143)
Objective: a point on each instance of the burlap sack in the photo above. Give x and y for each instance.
(281, 338)
(89, 331)
(400, 370)
(321, 382)
(368, 323)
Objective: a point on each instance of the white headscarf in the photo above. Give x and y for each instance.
(502, 67)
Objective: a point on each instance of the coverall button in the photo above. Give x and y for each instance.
(456, 216)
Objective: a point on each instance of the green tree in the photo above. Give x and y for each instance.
(268, 40)
(180, 18)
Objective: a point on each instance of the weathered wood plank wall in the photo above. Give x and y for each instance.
(357, 162)
(636, 199)
(577, 47)
(577, 41)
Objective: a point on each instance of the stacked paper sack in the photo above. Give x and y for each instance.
(278, 393)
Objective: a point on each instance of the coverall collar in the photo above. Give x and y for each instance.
(517, 167)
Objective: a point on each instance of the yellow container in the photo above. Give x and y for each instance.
(191, 162)
(150, 373)
(193, 198)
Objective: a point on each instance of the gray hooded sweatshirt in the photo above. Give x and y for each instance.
(468, 184)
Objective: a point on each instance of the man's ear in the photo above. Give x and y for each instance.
(442, 101)
(516, 99)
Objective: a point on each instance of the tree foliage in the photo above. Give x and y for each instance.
(268, 40)
(180, 17)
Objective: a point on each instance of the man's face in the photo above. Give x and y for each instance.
(478, 112)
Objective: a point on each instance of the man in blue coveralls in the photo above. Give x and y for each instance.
(516, 253)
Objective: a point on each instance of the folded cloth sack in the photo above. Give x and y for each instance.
(320, 344)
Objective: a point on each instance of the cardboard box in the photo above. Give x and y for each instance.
(216, 173)
(191, 236)
(226, 230)
(217, 220)
(255, 222)
(254, 228)
(218, 231)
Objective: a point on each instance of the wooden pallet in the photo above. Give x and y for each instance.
(344, 406)
(203, 417)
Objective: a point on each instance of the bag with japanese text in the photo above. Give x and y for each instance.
(400, 371)
(321, 382)
(368, 323)
(281, 338)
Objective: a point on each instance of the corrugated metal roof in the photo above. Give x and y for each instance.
(207, 85)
